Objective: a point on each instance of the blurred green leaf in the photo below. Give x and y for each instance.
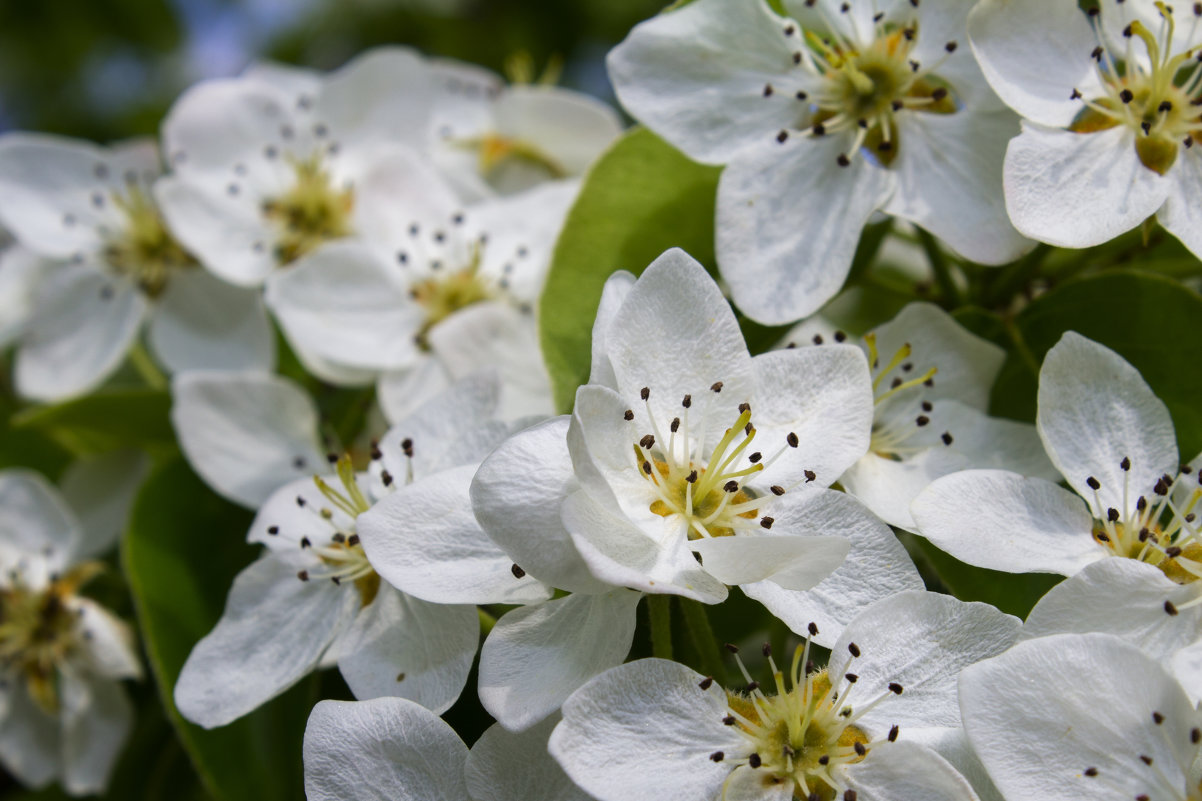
(641, 198)
(1151, 321)
(106, 420)
(182, 550)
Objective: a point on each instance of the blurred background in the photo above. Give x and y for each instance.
(109, 69)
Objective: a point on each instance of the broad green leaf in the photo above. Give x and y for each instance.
(641, 198)
(182, 550)
(106, 420)
(1151, 321)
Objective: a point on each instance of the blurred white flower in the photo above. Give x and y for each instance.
(63, 712)
(87, 217)
(822, 118)
(1110, 106)
(653, 729)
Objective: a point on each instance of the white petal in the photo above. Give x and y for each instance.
(1002, 521)
(385, 93)
(203, 323)
(888, 487)
(387, 749)
(571, 127)
(748, 784)
(1187, 666)
(424, 539)
(1078, 190)
(623, 555)
(696, 76)
(1123, 597)
(920, 640)
(876, 566)
(245, 434)
(952, 744)
(1180, 215)
(1046, 710)
(273, 632)
(21, 270)
(907, 771)
(676, 333)
(94, 734)
(949, 181)
(84, 327)
(788, 220)
(34, 519)
(795, 563)
(30, 740)
(824, 397)
(343, 304)
(536, 656)
(300, 511)
(645, 731)
(496, 336)
(406, 647)
(101, 491)
(401, 392)
(1095, 409)
(1034, 54)
(491, 774)
(109, 648)
(994, 441)
(285, 77)
(516, 497)
(613, 295)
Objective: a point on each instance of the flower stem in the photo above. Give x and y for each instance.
(952, 297)
(487, 621)
(140, 358)
(659, 609)
(698, 624)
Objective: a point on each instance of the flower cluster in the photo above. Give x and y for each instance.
(351, 284)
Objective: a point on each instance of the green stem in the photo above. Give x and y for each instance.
(698, 624)
(952, 296)
(487, 621)
(140, 358)
(1013, 278)
(659, 609)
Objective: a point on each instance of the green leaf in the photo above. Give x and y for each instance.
(641, 198)
(1151, 321)
(106, 420)
(182, 550)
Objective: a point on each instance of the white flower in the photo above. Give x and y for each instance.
(108, 261)
(1110, 107)
(653, 729)
(1082, 716)
(392, 749)
(63, 712)
(315, 597)
(823, 118)
(20, 271)
(1113, 442)
(433, 293)
(931, 383)
(489, 139)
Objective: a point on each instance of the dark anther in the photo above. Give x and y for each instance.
(332, 458)
(706, 683)
(1144, 758)
(812, 629)
(792, 439)
(645, 393)
(716, 386)
(744, 407)
(647, 441)
(729, 720)
(777, 490)
(1126, 96)
(950, 47)
(675, 424)
(407, 446)
(273, 529)
(1093, 483)
(939, 94)
(895, 688)
(755, 457)
(946, 437)
(647, 467)
(686, 401)
(717, 756)
(628, 415)
(753, 686)
(691, 477)
(926, 406)
(731, 486)
(852, 678)
(843, 160)
(1125, 464)
(819, 129)
(1112, 514)
(1157, 718)
(853, 649)
(768, 90)
(1171, 609)
(1091, 772)
(810, 475)
(1172, 551)
(893, 732)
(767, 522)
(730, 646)
(824, 759)
(303, 575)
(754, 760)
(860, 749)
(850, 795)
(922, 420)
(305, 542)
(517, 571)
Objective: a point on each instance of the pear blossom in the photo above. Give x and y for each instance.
(1076, 716)
(105, 261)
(20, 271)
(268, 166)
(437, 293)
(931, 381)
(63, 712)
(390, 749)
(822, 118)
(315, 597)
(1112, 439)
(654, 729)
(1109, 102)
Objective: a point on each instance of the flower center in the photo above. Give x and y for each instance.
(497, 152)
(899, 410)
(38, 631)
(443, 295)
(144, 250)
(313, 211)
(1159, 101)
(343, 558)
(706, 492)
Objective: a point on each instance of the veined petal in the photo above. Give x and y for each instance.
(908, 771)
(1095, 410)
(406, 647)
(34, 518)
(1003, 521)
(536, 656)
(613, 295)
(696, 76)
(108, 646)
(788, 220)
(245, 434)
(644, 732)
(204, 323)
(1077, 190)
(97, 718)
(888, 486)
(386, 749)
(1181, 216)
(386, 93)
(795, 563)
(401, 392)
(30, 740)
(490, 767)
(21, 270)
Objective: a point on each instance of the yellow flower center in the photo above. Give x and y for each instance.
(443, 295)
(313, 211)
(144, 250)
